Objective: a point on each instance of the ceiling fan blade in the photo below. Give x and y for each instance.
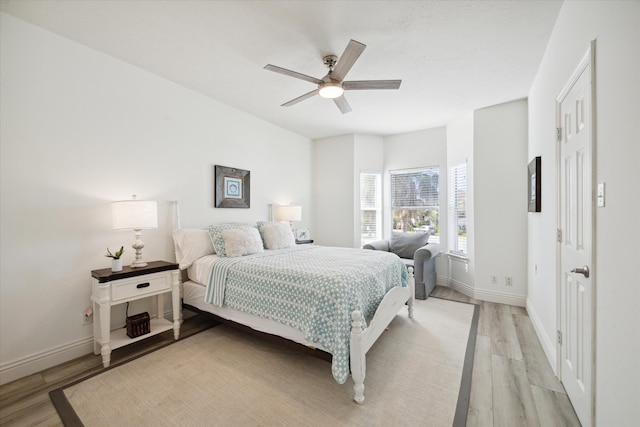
(342, 104)
(290, 73)
(300, 98)
(351, 53)
(371, 84)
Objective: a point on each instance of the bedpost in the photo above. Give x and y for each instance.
(357, 356)
(411, 282)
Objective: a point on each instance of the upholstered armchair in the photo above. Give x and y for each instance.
(414, 250)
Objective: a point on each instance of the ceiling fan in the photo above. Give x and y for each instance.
(333, 85)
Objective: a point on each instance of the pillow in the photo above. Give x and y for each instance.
(277, 236)
(261, 225)
(216, 236)
(191, 244)
(406, 244)
(242, 241)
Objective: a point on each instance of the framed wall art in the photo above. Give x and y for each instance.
(232, 187)
(534, 185)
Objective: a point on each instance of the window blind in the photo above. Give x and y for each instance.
(415, 200)
(370, 207)
(458, 209)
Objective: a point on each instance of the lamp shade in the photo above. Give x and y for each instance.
(134, 214)
(288, 213)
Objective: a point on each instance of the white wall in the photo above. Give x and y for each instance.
(368, 157)
(500, 202)
(80, 129)
(615, 27)
(461, 272)
(333, 191)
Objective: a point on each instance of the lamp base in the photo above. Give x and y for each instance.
(137, 264)
(138, 244)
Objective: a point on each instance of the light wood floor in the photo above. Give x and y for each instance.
(512, 385)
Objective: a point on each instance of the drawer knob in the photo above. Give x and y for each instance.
(143, 285)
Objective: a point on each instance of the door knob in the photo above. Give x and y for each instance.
(584, 270)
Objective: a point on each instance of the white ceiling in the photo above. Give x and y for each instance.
(452, 56)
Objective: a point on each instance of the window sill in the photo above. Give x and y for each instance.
(457, 257)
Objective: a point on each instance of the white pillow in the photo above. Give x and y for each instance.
(242, 241)
(215, 232)
(191, 244)
(261, 224)
(278, 236)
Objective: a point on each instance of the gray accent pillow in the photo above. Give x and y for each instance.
(406, 244)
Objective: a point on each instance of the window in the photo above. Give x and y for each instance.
(370, 207)
(458, 209)
(415, 200)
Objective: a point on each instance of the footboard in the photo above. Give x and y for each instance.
(363, 339)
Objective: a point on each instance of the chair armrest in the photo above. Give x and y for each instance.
(425, 269)
(420, 258)
(430, 250)
(379, 245)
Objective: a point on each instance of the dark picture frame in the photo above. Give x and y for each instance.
(232, 187)
(534, 187)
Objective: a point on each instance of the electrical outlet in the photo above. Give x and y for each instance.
(87, 320)
(508, 281)
(494, 280)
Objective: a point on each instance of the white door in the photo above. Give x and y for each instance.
(575, 218)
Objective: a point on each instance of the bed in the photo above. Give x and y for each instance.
(338, 300)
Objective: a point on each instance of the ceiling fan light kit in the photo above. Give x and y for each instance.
(330, 90)
(332, 86)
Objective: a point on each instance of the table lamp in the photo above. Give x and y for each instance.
(136, 215)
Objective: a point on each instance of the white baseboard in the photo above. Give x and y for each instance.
(486, 294)
(463, 288)
(34, 363)
(547, 343)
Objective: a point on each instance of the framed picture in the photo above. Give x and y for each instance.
(534, 185)
(302, 235)
(232, 187)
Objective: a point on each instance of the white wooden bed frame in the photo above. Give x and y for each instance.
(362, 339)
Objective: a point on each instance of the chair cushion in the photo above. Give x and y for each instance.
(406, 244)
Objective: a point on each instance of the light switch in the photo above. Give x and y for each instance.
(600, 195)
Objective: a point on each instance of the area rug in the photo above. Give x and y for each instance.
(418, 373)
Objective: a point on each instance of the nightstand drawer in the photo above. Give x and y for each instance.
(139, 286)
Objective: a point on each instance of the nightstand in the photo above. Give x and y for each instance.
(130, 284)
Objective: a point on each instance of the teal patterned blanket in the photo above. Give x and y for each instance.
(311, 288)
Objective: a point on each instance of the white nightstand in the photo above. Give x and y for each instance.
(109, 289)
